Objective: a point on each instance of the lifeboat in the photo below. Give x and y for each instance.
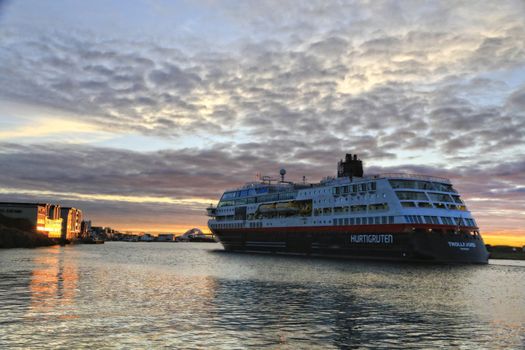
(286, 207)
(267, 208)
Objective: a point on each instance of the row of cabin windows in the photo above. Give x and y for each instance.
(445, 220)
(433, 205)
(260, 199)
(229, 225)
(362, 187)
(422, 185)
(371, 220)
(245, 193)
(421, 196)
(351, 198)
(351, 209)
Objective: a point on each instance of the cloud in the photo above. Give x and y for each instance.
(437, 84)
(185, 181)
(336, 80)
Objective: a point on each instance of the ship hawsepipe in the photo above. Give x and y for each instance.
(401, 217)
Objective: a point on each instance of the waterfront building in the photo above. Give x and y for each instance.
(146, 237)
(166, 237)
(71, 223)
(44, 217)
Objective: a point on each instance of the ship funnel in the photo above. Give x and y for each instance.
(350, 167)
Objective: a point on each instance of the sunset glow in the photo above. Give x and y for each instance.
(144, 119)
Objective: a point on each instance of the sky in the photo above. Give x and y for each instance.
(142, 113)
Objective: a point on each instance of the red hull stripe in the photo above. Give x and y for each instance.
(392, 228)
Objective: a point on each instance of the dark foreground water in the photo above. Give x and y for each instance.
(162, 295)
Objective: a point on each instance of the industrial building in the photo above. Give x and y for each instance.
(71, 222)
(50, 219)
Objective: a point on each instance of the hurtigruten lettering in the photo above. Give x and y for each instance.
(372, 239)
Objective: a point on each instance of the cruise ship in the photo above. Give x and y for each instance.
(401, 217)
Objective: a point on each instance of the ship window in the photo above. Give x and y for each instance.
(358, 208)
(373, 186)
(424, 205)
(346, 221)
(439, 197)
(378, 206)
(391, 219)
(228, 195)
(419, 185)
(352, 221)
(408, 195)
(408, 204)
(370, 220)
(446, 220)
(457, 199)
(440, 205)
(377, 220)
(444, 187)
(358, 221)
(383, 219)
(428, 220)
(402, 184)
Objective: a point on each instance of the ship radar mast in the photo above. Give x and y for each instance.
(282, 172)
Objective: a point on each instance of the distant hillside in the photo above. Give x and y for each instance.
(506, 252)
(19, 233)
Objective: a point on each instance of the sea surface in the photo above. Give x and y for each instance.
(196, 296)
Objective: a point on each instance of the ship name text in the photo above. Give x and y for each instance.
(372, 239)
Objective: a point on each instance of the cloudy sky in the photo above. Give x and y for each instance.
(143, 112)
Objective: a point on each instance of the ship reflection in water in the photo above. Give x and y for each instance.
(196, 296)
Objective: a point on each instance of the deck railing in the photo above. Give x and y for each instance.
(413, 177)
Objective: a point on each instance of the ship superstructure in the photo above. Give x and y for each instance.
(386, 216)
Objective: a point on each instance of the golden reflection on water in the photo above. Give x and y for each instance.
(53, 283)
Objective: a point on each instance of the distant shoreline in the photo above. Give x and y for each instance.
(507, 255)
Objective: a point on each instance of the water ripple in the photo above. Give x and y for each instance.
(194, 296)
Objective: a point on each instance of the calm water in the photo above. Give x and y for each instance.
(154, 295)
